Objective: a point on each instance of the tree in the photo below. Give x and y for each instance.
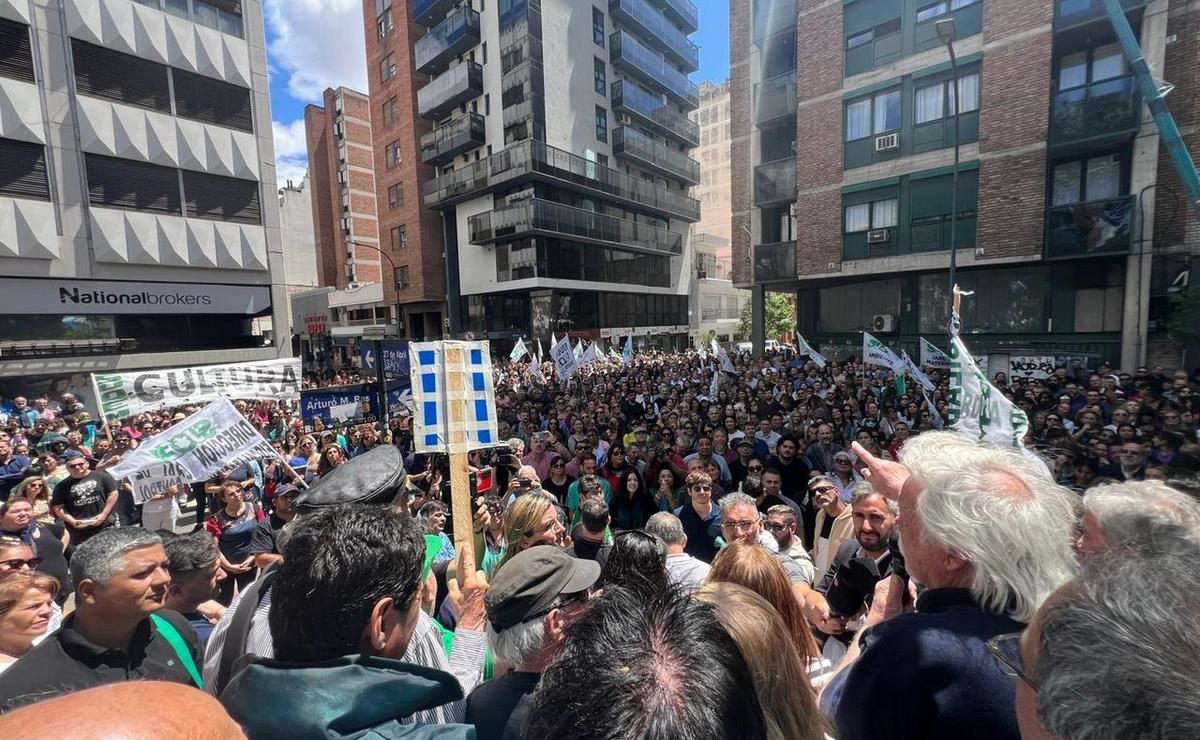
(781, 318)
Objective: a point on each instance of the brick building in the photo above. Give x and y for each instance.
(409, 233)
(1071, 224)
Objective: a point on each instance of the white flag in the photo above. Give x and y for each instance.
(578, 349)
(977, 409)
(539, 354)
(876, 353)
(615, 354)
(589, 355)
(565, 363)
(715, 388)
(804, 348)
(519, 350)
(933, 357)
(627, 353)
(197, 448)
(535, 371)
(700, 351)
(915, 373)
(723, 357)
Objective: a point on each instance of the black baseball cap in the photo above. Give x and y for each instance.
(527, 585)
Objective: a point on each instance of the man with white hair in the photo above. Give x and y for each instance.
(683, 570)
(1142, 517)
(989, 538)
(533, 598)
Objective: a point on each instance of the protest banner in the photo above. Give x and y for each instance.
(156, 480)
(215, 438)
(933, 357)
(122, 395)
(565, 363)
(876, 352)
(519, 350)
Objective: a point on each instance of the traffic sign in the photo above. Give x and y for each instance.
(395, 357)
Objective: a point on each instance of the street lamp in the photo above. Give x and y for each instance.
(387, 257)
(385, 416)
(947, 31)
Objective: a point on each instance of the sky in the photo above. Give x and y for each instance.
(315, 44)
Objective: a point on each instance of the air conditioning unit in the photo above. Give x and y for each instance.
(887, 142)
(346, 225)
(879, 236)
(883, 322)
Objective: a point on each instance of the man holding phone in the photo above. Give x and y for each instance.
(85, 500)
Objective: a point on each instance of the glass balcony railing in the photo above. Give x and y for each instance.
(537, 160)
(775, 261)
(1104, 109)
(451, 139)
(682, 13)
(660, 34)
(775, 182)
(632, 99)
(772, 17)
(775, 98)
(637, 60)
(450, 89)
(627, 142)
(1071, 13)
(537, 216)
(454, 36)
(429, 13)
(1086, 229)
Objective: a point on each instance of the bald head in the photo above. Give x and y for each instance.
(150, 710)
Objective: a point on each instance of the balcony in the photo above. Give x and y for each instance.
(449, 140)
(450, 38)
(1075, 13)
(682, 13)
(534, 160)
(636, 60)
(772, 17)
(429, 13)
(659, 33)
(1101, 113)
(449, 90)
(775, 182)
(775, 261)
(655, 155)
(1092, 228)
(775, 98)
(537, 217)
(633, 100)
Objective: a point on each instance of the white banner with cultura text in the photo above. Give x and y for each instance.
(197, 448)
(127, 394)
(977, 409)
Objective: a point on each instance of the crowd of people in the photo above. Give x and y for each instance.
(661, 548)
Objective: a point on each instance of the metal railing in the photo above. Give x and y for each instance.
(1102, 108)
(449, 89)
(652, 69)
(454, 35)
(535, 214)
(631, 143)
(659, 32)
(631, 98)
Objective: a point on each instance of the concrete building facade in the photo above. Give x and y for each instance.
(843, 144)
(560, 162)
(136, 157)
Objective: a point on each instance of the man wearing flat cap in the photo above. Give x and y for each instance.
(529, 604)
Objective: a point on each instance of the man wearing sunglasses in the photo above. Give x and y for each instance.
(85, 500)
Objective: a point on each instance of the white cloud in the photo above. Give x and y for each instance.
(314, 44)
(317, 44)
(291, 151)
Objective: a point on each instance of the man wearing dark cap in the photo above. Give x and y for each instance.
(739, 469)
(533, 598)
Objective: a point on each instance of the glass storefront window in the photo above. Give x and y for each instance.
(849, 308)
(1005, 301)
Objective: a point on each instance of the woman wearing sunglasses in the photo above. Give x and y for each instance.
(48, 542)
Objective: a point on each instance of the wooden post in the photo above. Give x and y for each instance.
(462, 508)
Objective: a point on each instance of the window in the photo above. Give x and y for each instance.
(399, 237)
(383, 24)
(601, 124)
(930, 12)
(16, 55)
(123, 183)
(860, 39)
(212, 101)
(597, 28)
(391, 111)
(880, 214)
(395, 196)
(23, 170)
(935, 101)
(110, 74)
(402, 277)
(601, 78)
(1080, 181)
(877, 114)
(221, 198)
(1102, 63)
(392, 155)
(387, 68)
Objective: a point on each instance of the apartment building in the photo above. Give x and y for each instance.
(558, 160)
(1071, 224)
(135, 159)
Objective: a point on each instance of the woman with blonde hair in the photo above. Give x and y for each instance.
(755, 568)
(531, 519)
(788, 701)
(35, 490)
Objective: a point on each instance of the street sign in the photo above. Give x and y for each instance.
(395, 358)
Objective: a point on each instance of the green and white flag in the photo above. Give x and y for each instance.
(933, 357)
(977, 409)
(519, 350)
(876, 352)
(916, 374)
(627, 353)
(197, 448)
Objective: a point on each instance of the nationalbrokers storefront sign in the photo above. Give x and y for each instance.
(90, 297)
